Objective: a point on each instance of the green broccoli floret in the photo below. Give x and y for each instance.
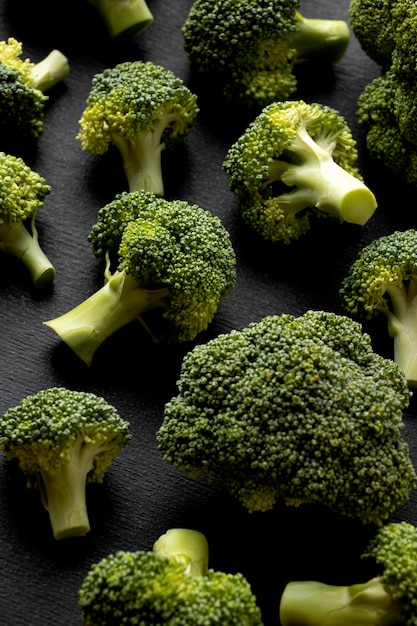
(388, 599)
(251, 46)
(383, 280)
(293, 161)
(174, 263)
(63, 440)
(171, 585)
(23, 85)
(22, 194)
(371, 23)
(141, 108)
(294, 408)
(124, 18)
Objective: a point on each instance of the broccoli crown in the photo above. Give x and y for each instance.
(309, 148)
(293, 407)
(41, 430)
(371, 23)
(136, 97)
(404, 56)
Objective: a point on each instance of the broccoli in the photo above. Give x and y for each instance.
(22, 194)
(383, 280)
(170, 585)
(63, 440)
(295, 160)
(297, 408)
(124, 18)
(371, 23)
(251, 47)
(173, 262)
(141, 108)
(23, 84)
(389, 598)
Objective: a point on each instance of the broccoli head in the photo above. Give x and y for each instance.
(294, 160)
(142, 109)
(250, 47)
(388, 599)
(124, 18)
(22, 194)
(372, 24)
(63, 440)
(383, 280)
(173, 264)
(170, 585)
(23, 84)
(297, 408)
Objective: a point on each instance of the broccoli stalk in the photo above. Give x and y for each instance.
(124, 18)
(321, 39)
(50, 71)
(188, 547)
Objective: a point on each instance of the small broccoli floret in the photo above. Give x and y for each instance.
(170, 586)
(141, 108)
(124, 18)
(371, 23)
(63, 440)
(251, 47)
(173, 264)
(23, 85)
(22, 194)
(298, 408)
(293, 161)
(383, 280)
(387, 599)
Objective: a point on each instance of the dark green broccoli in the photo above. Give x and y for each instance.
(169, 586)
(141, 108)
(173, 264)
(22, 194)
(383, 280)
(371, 23)
(293, 161)
(389, 599)
(124, 18)
(23, 85)
(294, 408)
(62, 440)
(250, 47)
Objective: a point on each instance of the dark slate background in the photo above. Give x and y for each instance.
(141, 496)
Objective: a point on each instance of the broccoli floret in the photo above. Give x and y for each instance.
(23, 85)
(63, 440)
(383, 280)
(124, 18)
(295, 160)
(22, 194)
(171, 585)
(173, 264)
(294, 408)
(387, 599)
(141, 108)
(371, 23)
(251, 47)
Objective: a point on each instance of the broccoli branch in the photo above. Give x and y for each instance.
(124, 17)
(186, 546)
(308, 603)
(50, 71)
(321, 39)
(402, 327)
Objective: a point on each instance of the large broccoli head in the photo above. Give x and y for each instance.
(295, 160)
(298, 408)
(372, 24)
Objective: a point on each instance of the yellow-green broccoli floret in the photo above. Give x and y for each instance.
(63, 440)
(124, 18)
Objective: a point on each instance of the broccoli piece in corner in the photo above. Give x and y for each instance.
(23, 85)
(293, 161)
(169, 585)
(388, 599)
(169, 265)
(22, 194)
(124, 18)
(372, 24)
(383, 280)
(297, 408)
(250, 47)
(63, 440)
(142, 109)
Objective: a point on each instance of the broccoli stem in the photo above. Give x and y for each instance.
(187, 546)
(402, 327)
(320, 182)
(16, 241)
(124, 17)
(50, 70)
(308, 603)
(120, 301)
(321, 39)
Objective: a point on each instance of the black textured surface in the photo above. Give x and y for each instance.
(141, 496)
